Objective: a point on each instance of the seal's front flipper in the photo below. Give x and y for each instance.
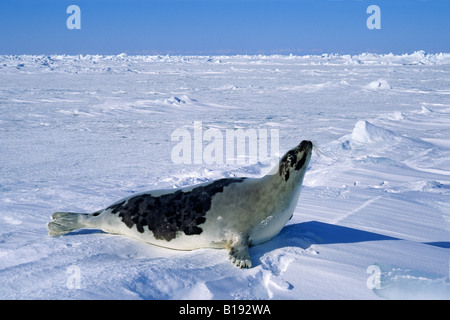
(238, 253)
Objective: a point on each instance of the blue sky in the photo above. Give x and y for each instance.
(223, 26)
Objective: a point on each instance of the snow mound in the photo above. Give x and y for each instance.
(366, 132)
(176, 100)
(380, 84)
(425, 110)
(429, 186)
(397, 116)
(400, 284)
(124, 63)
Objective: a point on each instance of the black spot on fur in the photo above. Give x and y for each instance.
(169, 213)
(289, 161)
(115, 207)
(97, 213)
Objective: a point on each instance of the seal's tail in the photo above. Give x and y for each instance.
(64, 222)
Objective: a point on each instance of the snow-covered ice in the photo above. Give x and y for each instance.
(373, 222)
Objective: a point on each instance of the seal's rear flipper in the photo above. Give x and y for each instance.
(64, 222)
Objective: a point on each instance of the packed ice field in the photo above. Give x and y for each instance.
(78, 133)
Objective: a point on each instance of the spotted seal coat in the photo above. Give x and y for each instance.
(230, 213)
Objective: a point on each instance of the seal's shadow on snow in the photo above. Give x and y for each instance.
(85, 231)
(305, 234)
(325, 233)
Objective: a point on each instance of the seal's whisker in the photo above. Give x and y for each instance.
(317, 150)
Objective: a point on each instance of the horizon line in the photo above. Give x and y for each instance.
(228, 53)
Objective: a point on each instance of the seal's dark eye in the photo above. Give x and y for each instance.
(301, 162)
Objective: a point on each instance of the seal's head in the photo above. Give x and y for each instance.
(295, 161)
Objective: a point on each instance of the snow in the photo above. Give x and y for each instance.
(380, 84)
(373, 221)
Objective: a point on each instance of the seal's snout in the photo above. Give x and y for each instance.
(306, 145)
